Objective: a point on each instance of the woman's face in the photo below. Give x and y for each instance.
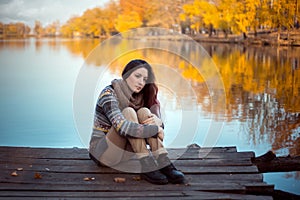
(137, 79)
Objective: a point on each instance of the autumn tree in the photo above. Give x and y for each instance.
(241, 16)
(22, 29)
(38, 28)
(155, 13)
(94, 22)
(128, 21)
(245, 16)
(127, 7)
(52, 29)
(166, 13)
(72, 27)
(90, 22)
(229, 16)
(18, 29)
(110, 14)
(202, 14)
(282, 14)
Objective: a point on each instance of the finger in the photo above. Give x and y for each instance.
(147, 121)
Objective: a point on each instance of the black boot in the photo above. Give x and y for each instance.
(150, 172)
(168, 169)
(95, 160)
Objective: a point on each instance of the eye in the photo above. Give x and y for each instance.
(138, 75)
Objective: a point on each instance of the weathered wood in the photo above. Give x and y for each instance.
(134, 168)
(74, 178)
(25, 150)
(211, 173)
(144, 194)
(269, 162)
(129, 185)
(194, 153)
(83, 162)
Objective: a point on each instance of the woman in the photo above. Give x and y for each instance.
(127, 118)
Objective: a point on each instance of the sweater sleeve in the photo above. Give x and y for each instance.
(110, 106)
(155, 109)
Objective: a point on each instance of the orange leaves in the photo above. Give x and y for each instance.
(89, 178)
(37, 175)
(119, 180)
(14, 173)
(128, 21)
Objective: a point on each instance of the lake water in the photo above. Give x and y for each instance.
(256, 109)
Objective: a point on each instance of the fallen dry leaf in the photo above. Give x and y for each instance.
(37, 175)
(89, 178)
(119, 180)
(14, 173)
(20, 169)
(136, 178)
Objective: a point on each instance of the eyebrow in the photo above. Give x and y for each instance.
(137, 73)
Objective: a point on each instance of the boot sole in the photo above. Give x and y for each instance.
(176, 181)
(157, 182)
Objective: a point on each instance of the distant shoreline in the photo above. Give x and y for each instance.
(262, 39)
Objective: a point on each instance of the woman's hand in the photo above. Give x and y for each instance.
(161, 133)
(153, 120)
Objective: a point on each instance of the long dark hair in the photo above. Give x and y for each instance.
(150, 89)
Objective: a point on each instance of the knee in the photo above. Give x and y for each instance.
(130, 114)
(128, 111)
(143, 113)
(143, 110)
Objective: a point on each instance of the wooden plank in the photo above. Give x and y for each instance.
(175, 155)
(76, 153)
(223, 186)
(212, 155)
(214, 162)
(130, 185)
(138, 194)
(68, 162)
(74, 178)
(209, 171)
(132, 168)
(206, 149)
(25, 151)
(9, 149)
(163, 194)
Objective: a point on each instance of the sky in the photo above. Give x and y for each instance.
(46, 11)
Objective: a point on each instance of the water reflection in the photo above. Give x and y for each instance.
(14, 44)
(77, 47)
(262, 88)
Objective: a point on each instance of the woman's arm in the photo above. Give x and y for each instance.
(155, 109)
(109, 104)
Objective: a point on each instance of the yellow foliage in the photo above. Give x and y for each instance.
(240, 16)
(128, 21)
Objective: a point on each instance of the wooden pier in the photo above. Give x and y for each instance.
(60, 173)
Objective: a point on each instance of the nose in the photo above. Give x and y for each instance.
(141, 81)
